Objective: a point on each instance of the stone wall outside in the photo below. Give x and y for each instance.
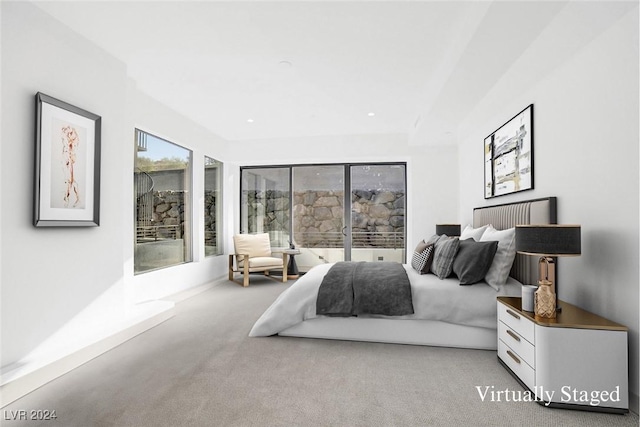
(168, 210)
(377, 216)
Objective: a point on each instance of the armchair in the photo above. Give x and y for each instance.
(252, 253)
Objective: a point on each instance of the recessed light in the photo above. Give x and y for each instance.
(285, 64)
(249, 120)
(371, 114)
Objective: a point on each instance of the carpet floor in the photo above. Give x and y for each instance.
(201, 369)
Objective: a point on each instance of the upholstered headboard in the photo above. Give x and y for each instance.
(537, 211)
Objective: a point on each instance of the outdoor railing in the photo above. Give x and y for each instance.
(152, 233)
(360, 239)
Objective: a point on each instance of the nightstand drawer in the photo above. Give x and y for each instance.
(519, 367)
(523, 348)
(517, 322)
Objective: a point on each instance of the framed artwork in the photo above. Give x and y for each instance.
(67, 165)
(508, 156)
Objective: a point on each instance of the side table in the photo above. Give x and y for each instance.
(292, 267)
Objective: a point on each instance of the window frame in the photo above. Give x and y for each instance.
(187, 224)
(219, 208)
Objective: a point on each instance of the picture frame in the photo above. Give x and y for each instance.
(508, 156)
(67, 165)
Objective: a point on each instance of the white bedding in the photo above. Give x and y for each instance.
(433, 299)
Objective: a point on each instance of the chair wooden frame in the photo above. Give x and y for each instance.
(245, 270)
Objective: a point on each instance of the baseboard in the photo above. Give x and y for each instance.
(188, 293)
(22, 384)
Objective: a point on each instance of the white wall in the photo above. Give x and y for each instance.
(586, 154)
(63, 288)
(51, 275)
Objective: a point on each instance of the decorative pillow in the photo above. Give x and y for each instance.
(434, 239)
(444, 254)
(498, 273)
(422, 257)
(473, 233)
(415, 262)
(421, 246)
(473, 260)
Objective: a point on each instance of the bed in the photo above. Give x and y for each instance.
(446, 314)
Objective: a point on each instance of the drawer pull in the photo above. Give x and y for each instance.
(513, 314)
(513, 356)
(513, 335)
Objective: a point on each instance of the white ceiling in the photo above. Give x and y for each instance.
(420, 66)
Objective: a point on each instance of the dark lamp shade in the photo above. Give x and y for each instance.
(448, 229)
(549, 240)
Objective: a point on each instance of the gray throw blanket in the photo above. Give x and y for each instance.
(353, 288)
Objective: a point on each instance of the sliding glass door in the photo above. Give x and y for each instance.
(318, 214)
(329, 212)
(377, 212)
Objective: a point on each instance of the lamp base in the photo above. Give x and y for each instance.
(547, 273)
(545, 301)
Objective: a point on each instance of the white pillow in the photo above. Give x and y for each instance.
(473, 233)
(498, 273)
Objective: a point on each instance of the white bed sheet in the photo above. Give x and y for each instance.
(433, 299)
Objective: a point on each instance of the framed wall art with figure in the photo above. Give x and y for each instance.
(67, 165)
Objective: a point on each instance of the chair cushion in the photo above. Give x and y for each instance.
(264, 262)
(255, 245)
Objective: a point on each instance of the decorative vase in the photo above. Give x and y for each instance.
(545, 300)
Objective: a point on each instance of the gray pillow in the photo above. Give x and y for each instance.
(434, 239)
(444, 255)
(473, 260)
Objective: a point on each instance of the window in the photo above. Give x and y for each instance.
(162, 181)
(334, 212)
(212, 207)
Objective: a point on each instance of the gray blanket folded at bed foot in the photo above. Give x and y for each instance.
(381, 288)
(356, 288)
(335, 295)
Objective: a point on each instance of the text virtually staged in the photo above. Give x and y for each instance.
(540, 394)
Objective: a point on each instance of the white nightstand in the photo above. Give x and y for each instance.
(578, 360)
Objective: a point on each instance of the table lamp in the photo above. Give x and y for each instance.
(547, 241)
(450, 230)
